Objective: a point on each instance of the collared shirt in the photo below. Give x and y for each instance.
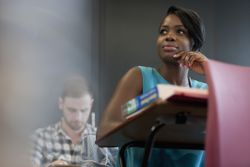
(52, 143)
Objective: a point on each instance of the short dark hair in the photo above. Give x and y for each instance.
(75, 87)
(192, 22)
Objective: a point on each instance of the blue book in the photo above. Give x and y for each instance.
(171, 93)
(140, 101)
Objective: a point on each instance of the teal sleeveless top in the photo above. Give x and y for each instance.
(159, 156)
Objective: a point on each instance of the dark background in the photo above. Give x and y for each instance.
(44, 42)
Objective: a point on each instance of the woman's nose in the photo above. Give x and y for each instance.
(170, 36)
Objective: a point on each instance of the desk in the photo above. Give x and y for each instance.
(184, 126)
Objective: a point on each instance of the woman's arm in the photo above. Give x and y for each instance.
(128, 87)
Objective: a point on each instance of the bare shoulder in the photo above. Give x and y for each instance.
(132, 80)
(129, 86)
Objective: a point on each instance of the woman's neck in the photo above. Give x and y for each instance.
(175, 74)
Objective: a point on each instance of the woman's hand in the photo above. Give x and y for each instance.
(193, 60)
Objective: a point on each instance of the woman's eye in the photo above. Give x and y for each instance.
(163, 32)
(181, 32)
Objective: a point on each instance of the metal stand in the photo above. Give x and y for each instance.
(148, 146)
(150, 141)
(123, 149)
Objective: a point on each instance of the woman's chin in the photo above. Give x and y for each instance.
(169, 60)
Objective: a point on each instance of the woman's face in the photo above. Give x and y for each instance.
(173, 38)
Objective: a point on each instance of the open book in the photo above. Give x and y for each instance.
(170, 93)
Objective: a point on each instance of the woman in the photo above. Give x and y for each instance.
(181, 35)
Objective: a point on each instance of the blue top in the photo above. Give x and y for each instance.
(151, 77)
(164, 157)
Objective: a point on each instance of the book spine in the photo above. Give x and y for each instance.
(140, 102)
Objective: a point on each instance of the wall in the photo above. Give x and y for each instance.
(232, 35)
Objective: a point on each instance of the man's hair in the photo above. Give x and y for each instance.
(75, 87)
(192, 22)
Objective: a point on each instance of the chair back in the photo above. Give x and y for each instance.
(227, 135)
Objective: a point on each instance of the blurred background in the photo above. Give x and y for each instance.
(43, 42)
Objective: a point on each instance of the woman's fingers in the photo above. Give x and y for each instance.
(183, 58)
(192, 60)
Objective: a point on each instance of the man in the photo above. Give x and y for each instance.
(72, 139)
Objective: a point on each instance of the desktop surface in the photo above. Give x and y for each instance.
(184, 125)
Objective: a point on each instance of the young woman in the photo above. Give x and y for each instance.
(181, 35)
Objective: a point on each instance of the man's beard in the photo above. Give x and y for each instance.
(74, 125)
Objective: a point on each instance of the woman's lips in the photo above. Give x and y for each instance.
(169, 48)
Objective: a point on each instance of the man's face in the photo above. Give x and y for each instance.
(76, 111)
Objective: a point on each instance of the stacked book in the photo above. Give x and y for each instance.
(170, 93)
